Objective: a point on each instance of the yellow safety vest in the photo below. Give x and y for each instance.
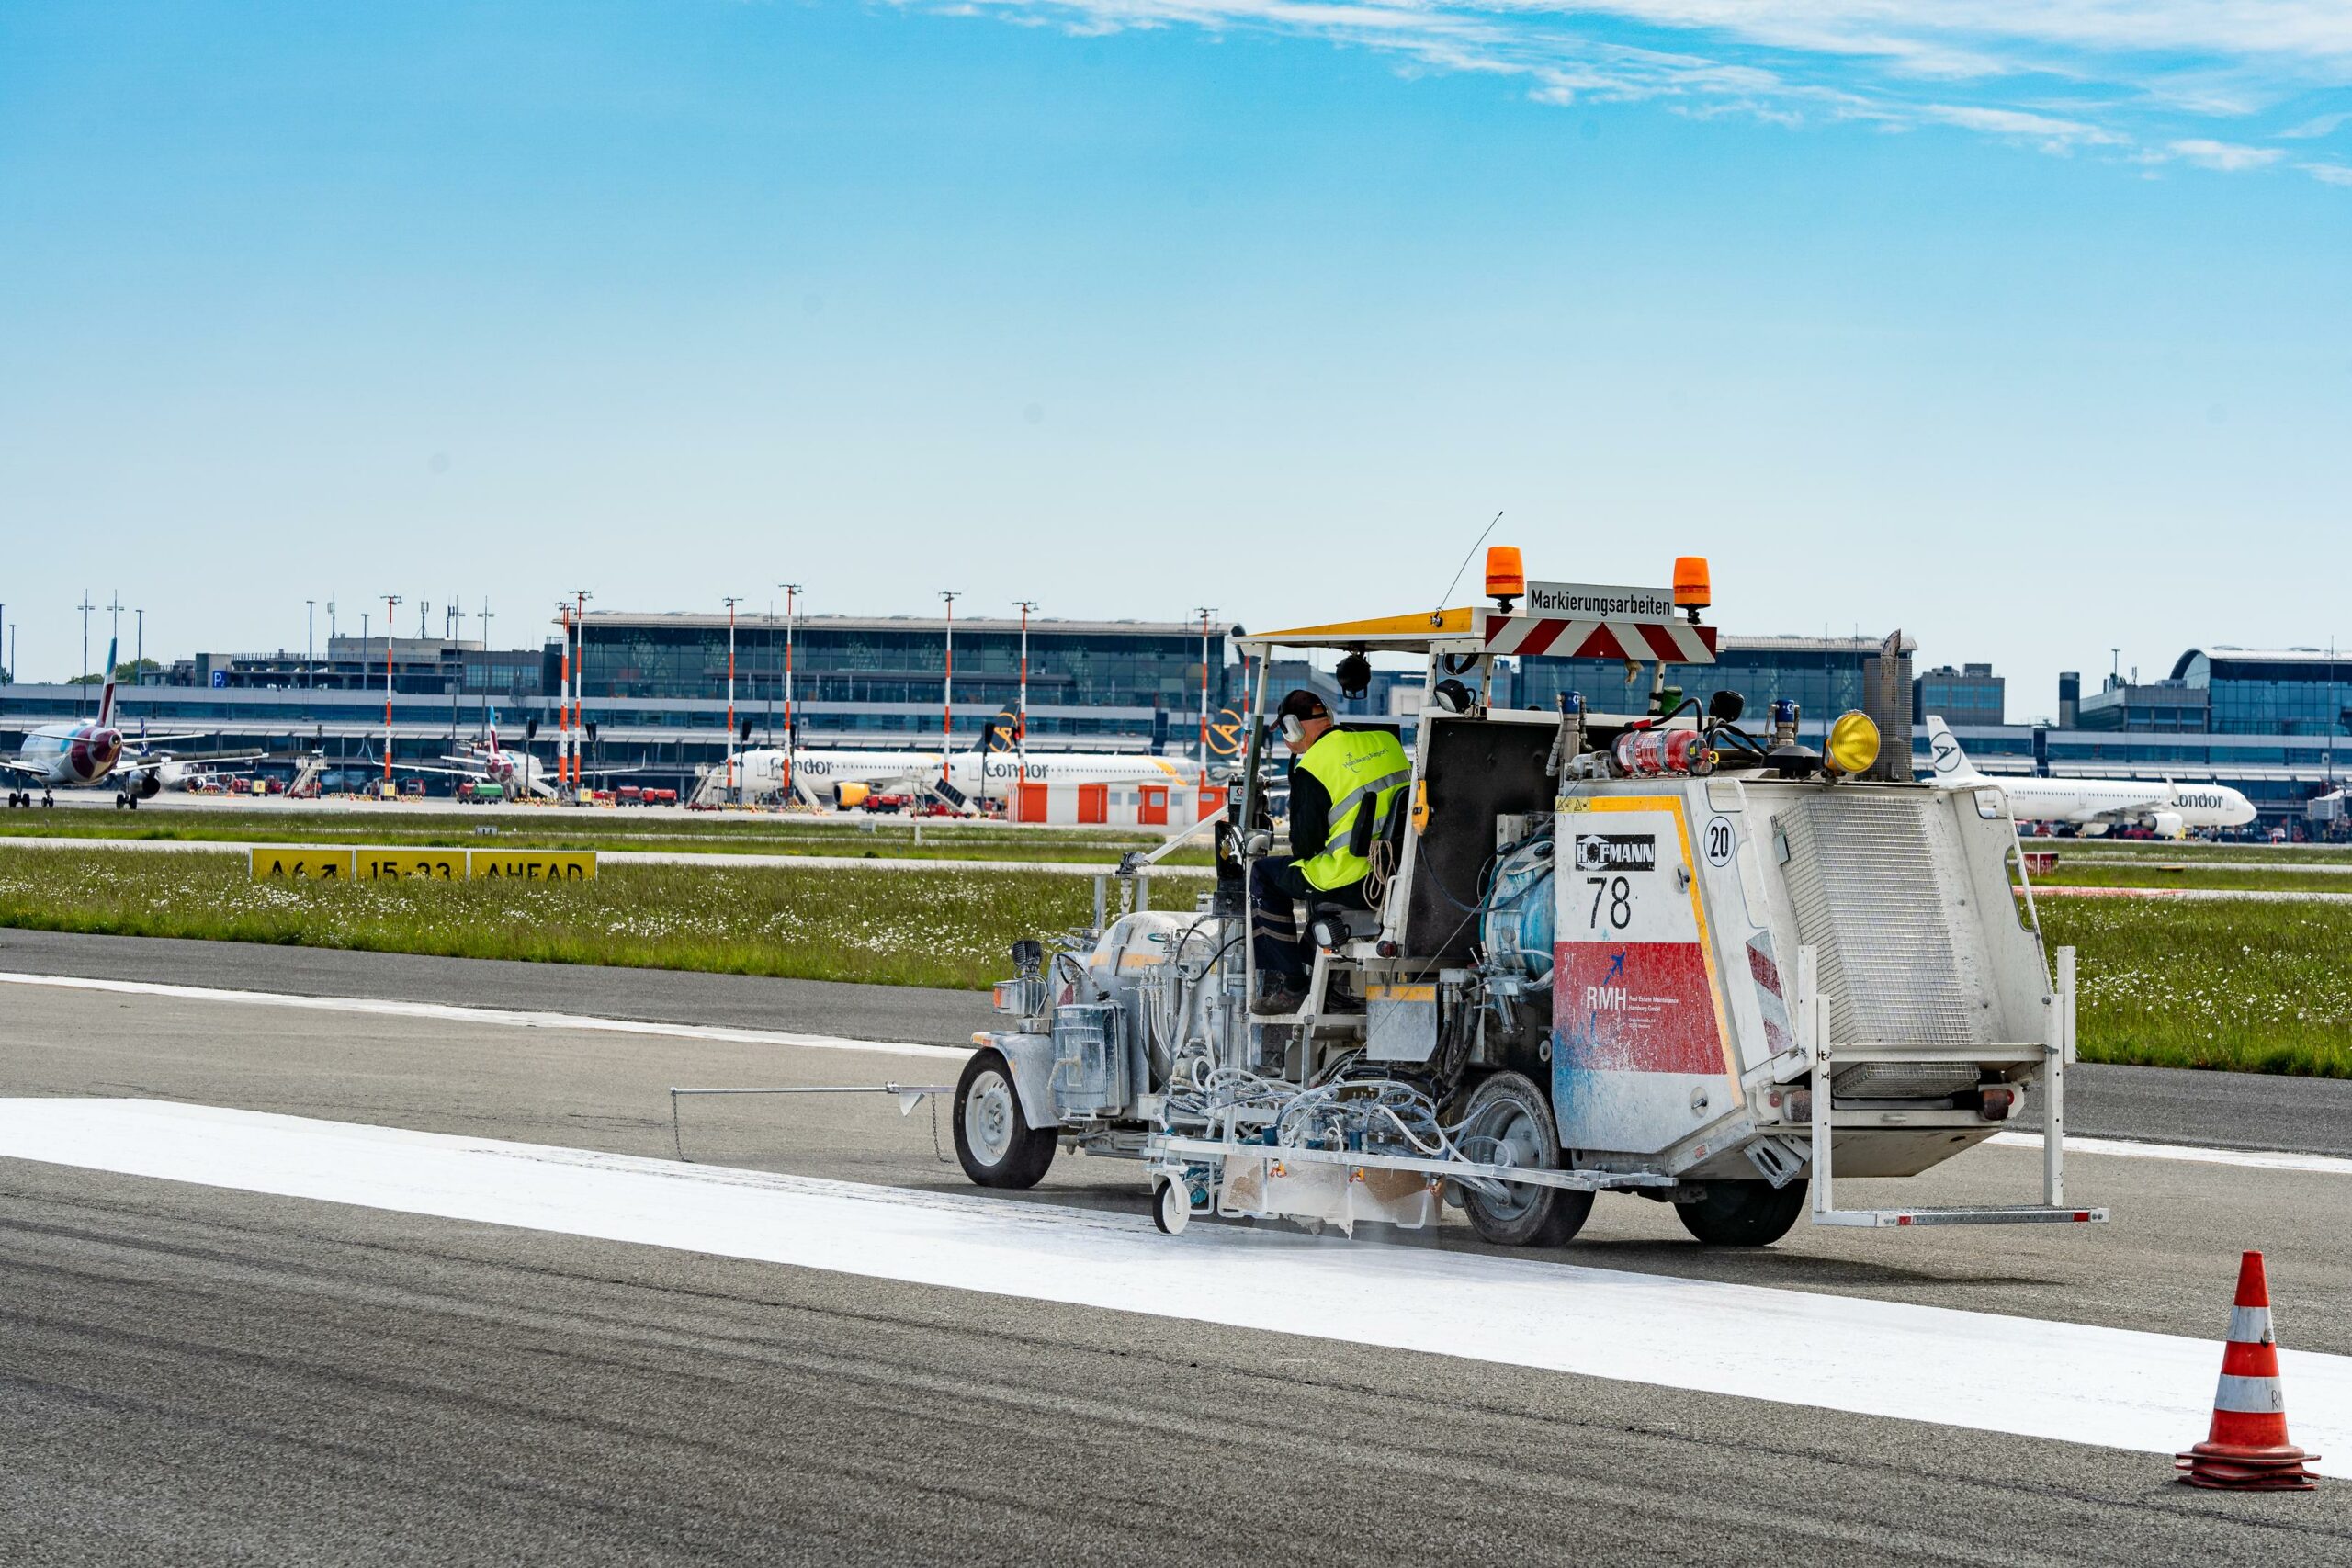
(1360, 769)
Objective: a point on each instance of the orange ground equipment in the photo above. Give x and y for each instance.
(2248, 1450)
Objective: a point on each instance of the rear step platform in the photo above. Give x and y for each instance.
(2000, 1214)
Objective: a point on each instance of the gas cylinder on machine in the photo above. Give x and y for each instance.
(1646, 753)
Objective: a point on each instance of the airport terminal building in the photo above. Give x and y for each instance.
(655, 696)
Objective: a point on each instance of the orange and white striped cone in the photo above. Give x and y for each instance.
(2247, 1449)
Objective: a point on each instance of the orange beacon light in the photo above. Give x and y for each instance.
(1692, 590)
(1505, 578)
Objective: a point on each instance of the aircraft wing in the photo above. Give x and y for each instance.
(141, 763)
(11, 764)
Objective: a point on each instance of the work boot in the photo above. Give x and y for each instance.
(1280, 993)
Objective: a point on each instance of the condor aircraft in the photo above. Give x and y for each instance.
(2094, 806)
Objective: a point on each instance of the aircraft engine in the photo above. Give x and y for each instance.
(2167, 824)
(146, 784)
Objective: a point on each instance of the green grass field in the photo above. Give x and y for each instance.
(2172, 873)
(2246, 987)
(890, 927)
(559, 828)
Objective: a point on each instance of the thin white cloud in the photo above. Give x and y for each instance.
(2230, 157)
(2332, 174)
(2135, 78)
(2322, 125)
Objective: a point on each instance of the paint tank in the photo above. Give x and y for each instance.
(1517, 924)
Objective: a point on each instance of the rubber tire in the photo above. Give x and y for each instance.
(1172, 1208)
(1744, 1213)
(1028, 1151)
(1546, 1217)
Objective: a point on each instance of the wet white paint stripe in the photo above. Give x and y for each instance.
(2111, 1387)
(2131, 1148)
(499, 1016)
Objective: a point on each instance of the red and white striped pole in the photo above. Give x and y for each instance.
(2248, 1448)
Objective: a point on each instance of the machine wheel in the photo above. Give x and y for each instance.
(1509, 1121)
(994, 1142)
(1744, 1213)
(1171, 1207)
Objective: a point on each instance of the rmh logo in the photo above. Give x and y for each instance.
(1616, 851)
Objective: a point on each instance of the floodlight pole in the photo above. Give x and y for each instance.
(310, 644)
(1206, 611)
(948, 693)
(791, 606)
(1021, 704)
(579, 597)
(84, 690)
(562, 696)
(731, 602)
(392, 602)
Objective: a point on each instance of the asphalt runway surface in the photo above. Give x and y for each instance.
(201, 1374)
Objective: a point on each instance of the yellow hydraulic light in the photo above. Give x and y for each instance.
(1506, 577)
(1853, 743)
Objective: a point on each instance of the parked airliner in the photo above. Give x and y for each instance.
(79, 756)
(2093, 806)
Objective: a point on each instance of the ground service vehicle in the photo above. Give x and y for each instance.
(1647, 953)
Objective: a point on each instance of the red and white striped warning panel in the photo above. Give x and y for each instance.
(1676, 642)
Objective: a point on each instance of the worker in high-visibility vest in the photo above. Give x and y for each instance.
(1335, 776)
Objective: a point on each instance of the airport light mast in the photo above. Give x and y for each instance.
(1021, 704)
(731, 602)
(579, 597)
(948, 693)
(392, 602)
(86, 607)
(1206, 611)
(311, 645)
(562, 686)
(791, 603)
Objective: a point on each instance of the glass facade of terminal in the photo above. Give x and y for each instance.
(2298, 692)
(1971, 694)
(1150, 667)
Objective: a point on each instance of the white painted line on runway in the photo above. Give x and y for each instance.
(2130, 1149)
(500, 1017)
(2114, 1387)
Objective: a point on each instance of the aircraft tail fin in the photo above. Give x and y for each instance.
(1952, 763)
(998, 734)
(106, 697)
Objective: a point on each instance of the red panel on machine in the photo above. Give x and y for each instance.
(1639, 1007)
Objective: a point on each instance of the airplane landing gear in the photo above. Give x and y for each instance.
(47, 799)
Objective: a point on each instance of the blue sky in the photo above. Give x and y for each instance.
(2028, 328)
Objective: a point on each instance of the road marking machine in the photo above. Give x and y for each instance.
(1646, 952)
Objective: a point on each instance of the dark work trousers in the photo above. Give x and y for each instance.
(1276, 944)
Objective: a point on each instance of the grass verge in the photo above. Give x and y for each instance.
(556, 828)
(2240, 987)
(876, 926)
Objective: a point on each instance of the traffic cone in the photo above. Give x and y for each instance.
(2247, 1449)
